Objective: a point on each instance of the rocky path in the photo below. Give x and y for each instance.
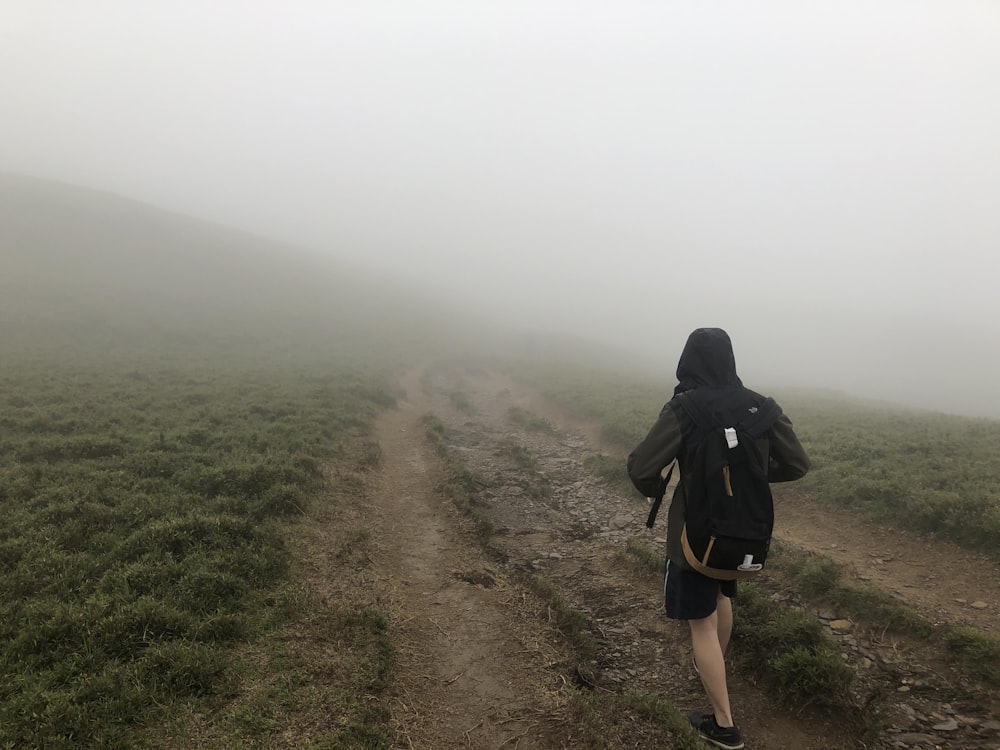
(475, 672)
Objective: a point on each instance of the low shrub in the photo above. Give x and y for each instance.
(792, 649)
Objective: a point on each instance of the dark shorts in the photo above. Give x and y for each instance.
(691, 596)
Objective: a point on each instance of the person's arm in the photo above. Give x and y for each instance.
(647, 462)
(788, 459)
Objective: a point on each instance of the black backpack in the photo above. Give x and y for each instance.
(729, 513)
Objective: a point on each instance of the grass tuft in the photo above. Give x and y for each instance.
(793, 650)
(979, 653)
(610, 470)
(461, 402)
(643, 558)
(568, 620)
(528, 421)
(521, 455)
(603, 720)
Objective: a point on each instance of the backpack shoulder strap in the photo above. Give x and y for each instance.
(702, 418)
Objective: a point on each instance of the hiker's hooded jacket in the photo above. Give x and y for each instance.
(707, 365)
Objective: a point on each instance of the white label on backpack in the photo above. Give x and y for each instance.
(731, 438)
(748, 564)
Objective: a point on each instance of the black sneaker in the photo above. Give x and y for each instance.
(728, 738)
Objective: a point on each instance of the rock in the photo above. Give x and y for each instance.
(842, 626)
(990, 725)
(619, 522)
(910, 739)
(946, 726)
(979, 605)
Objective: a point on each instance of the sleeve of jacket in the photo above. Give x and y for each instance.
(788, 459)
(647, 462)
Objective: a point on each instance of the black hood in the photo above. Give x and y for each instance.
(707, 361)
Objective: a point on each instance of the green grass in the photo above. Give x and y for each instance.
(610, 470)
(435, 431)
(521, 455)
(821, 578)
(460, 486)
(534, 483)
(929, 472)
(527, 420)
(144, 536)
(642, 558)
(602, 720)
(978, 653)
(791, 648)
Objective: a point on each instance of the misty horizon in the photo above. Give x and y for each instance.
(821, 182)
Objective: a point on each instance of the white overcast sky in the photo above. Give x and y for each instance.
(821, 178)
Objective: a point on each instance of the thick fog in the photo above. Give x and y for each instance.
(822, 179)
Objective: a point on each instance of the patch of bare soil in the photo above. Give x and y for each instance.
(476, 664)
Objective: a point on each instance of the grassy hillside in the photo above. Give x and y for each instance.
(174, 398)
(145, 534)
(123, 275)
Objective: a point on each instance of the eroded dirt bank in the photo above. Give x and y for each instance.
(477, 666)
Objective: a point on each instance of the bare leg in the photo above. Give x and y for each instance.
(706, 637)
(724, 609)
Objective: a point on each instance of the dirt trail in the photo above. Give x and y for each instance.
(469, 672)
(945, 583)
(476, 669)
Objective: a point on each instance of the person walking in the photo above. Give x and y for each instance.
(706, 372)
